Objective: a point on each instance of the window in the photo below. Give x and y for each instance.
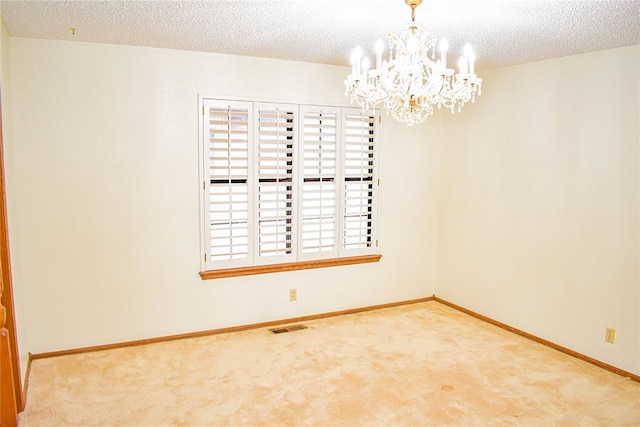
(286, 186)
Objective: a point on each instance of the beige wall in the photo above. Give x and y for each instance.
(103, 197)
(7, 125)
(539, 203)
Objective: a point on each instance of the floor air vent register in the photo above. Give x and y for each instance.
(290, 328)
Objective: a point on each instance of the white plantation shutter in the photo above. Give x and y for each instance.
(227, 133)
(319, 172)
(360, 140)
(275, 138)
(284, 183)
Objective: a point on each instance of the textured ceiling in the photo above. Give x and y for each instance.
(502, 32)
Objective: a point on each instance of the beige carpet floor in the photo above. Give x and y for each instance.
(415, 365)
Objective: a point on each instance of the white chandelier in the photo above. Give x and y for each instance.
(411, 82)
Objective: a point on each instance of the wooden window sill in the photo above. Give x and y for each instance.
(289, 266)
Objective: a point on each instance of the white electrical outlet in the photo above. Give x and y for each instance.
(293, 294)
(610, 335)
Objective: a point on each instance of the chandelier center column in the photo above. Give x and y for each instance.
(413, 4)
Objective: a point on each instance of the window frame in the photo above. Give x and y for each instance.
(297, 259)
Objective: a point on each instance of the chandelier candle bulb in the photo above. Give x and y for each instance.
(462, 66)
(365, 68)
(444, 46)
(472, 61)
(470, 57)
(355, 61)
(379, 47)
